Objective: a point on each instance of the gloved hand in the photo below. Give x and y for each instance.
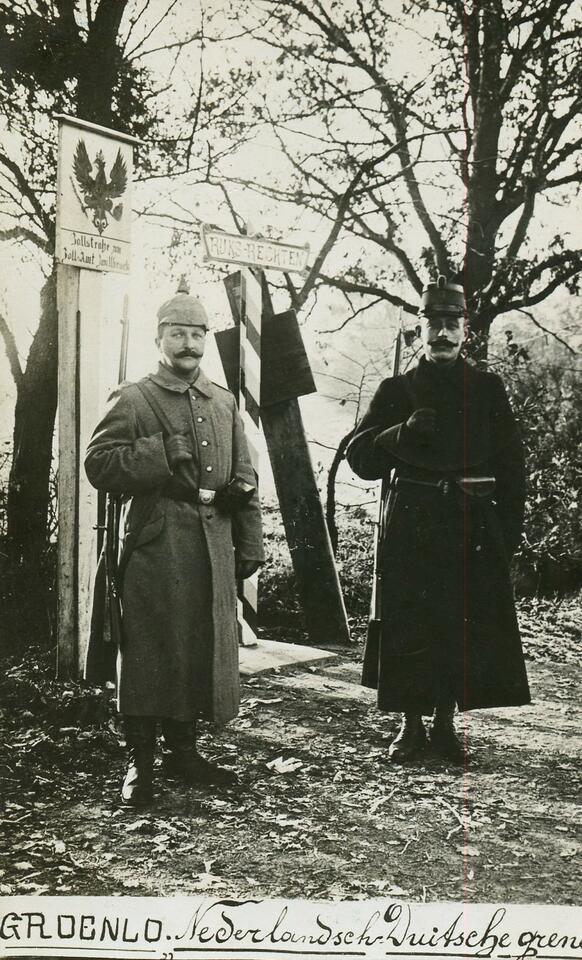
(178, 449)
(246, 568)
(422, 422)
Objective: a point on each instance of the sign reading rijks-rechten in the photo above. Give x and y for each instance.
(221, 247)
(95, 168)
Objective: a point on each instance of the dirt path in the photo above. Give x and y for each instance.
(343, 824)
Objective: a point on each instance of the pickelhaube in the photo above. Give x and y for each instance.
(183, 309)
(443, 297)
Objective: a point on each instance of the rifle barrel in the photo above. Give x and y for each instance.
(124, 340)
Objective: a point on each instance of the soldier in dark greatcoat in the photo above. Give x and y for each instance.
(172, 445)
(446, 436)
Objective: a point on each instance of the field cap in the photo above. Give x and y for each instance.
(443, 297)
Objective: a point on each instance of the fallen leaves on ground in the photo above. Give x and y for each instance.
(318, 811)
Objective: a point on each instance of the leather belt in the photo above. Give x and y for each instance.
(472, 486)
(438, 486)
(202, 495)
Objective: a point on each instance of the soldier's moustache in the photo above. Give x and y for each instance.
(187, 353)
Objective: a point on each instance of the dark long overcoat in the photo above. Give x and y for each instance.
(449, 628)
(179, 656)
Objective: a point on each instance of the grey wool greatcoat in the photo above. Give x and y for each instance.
(449, 628)
(179, 656)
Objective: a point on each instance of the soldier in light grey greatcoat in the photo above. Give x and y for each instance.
(170, 445)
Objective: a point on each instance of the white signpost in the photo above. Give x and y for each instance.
(94, 174)
(251, 251)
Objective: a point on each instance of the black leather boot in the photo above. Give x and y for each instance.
(443, 736)
(182, 760)
(411, 739)
(140, 736)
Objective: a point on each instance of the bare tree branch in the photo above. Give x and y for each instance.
(349, 286)
(131, 53)
(23, 185)
(551, 333)
(11, 352)
(23, 233)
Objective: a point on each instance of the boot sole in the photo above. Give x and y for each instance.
(403, 757)
(199, 780)
(136, 801)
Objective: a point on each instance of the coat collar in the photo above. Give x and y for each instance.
(432, 373)
(165, 378)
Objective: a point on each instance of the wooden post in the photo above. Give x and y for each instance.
(303, 517)
(305, 527)
(92, 371)
(80, 401)
(68, 489)
(301, 508)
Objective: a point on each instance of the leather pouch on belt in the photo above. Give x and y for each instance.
(476, 486)
(236, 494)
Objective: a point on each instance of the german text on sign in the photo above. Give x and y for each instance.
(93, 199)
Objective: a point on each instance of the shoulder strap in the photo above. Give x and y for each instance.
(148, 502)
(146, 508)
(149, 397)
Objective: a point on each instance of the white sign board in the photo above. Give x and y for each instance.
(222, 927)
(93, 197)
(221, 247)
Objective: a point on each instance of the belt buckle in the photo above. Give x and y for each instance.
(206, 496)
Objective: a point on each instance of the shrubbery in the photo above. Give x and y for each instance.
(546, 394)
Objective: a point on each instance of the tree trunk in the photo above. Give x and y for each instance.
(95, 99)
(36, 404)
(28, 597)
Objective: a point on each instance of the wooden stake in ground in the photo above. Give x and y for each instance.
(286, 376)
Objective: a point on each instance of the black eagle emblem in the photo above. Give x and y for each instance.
(98, 191)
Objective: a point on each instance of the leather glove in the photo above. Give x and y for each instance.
(178, 449)
(246, 568)
(236, 494)
(422, 422)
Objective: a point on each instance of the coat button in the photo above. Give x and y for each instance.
(209, 469)
(205, 443)
(199, 419)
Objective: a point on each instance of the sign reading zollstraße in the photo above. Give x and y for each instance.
(221, 247)
(94, 173)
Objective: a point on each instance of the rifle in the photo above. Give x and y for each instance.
(113, 506)
(372, 652)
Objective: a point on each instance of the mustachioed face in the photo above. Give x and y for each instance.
(442, 336)
(181, 348)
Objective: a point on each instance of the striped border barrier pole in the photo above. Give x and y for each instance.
(249, 408)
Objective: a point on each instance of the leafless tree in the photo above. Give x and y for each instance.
(438, 163)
